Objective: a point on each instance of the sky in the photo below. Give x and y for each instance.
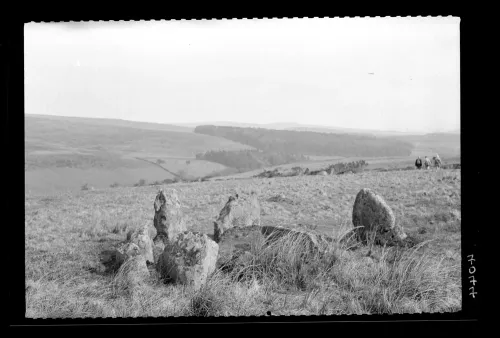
(400, 74)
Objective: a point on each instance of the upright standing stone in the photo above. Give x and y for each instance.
(373, 216)
(168, 220)
(239, 211)
(189, 260)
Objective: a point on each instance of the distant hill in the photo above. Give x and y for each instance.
(310, 143)
(65, 152)
(300, 127)
(278, 126)
(112, 122)
(339, 130)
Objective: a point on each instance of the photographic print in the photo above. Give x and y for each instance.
(242, 167)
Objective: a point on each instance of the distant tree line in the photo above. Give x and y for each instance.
(310, 143)
(249, 159)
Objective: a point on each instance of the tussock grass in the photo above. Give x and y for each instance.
(66, 232)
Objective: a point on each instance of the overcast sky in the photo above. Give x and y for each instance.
(389, 74)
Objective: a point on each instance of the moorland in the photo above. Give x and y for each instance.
(65, 232)
(66, 226)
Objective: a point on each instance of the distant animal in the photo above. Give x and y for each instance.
(427, 163)
(418, 163)
(437, 162)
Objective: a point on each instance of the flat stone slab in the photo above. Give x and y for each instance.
(238, 241)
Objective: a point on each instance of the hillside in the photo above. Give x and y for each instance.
(244, 160)
(113, 122)
(63, 152)
(310, 143)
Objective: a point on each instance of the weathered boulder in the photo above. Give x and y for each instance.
(306, 172)
(169, 220)
(189, 260)
(237, 212)
(236, 242)
(142, 238)
(114, 258)
(371, 216)
(312, 240)
(322, 173)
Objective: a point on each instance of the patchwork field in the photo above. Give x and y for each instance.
(63, 153)
(65, 233)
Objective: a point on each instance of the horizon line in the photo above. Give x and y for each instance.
(306, 125)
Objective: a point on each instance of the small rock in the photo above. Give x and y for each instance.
(422, 231)
(280, 198)
(114, 258)
(141, 237)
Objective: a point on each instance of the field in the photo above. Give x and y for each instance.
(65, 232)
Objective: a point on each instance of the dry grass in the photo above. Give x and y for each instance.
(66, 232)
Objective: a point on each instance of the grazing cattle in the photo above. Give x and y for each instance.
(437, 161)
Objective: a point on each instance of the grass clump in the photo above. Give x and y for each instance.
(205, 303)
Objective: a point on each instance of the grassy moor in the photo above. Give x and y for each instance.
(65, 232)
